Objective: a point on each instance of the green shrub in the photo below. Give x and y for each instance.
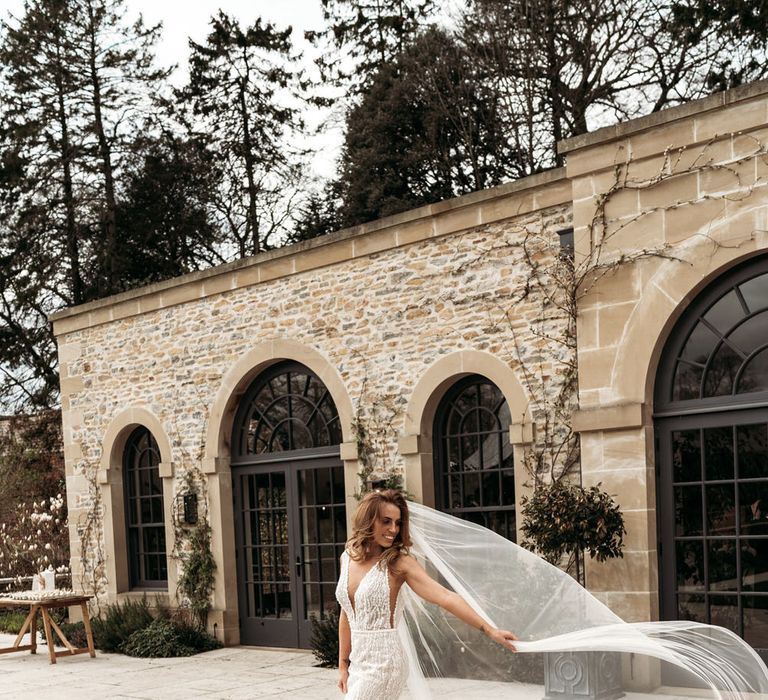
(12, 620)
(160, 639)
(75, 633)
(195, 638)
(120, 622)
(324, 639)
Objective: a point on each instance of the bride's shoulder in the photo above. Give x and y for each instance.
(403, 564)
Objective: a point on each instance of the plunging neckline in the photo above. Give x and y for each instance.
(360, 583)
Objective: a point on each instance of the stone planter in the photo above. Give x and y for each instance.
(583, 675)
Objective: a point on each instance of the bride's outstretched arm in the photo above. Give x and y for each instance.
(423, 585)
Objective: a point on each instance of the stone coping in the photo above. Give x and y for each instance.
(524, 196)
(664, 116)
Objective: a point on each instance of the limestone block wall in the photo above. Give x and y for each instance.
(662, 205)
(388, 315)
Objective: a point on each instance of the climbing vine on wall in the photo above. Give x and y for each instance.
(192, 540)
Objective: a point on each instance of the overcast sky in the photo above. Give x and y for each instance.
(190, 18)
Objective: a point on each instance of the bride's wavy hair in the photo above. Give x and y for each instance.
(364, 520)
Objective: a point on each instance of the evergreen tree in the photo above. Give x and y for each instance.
(42, 128)
(76, 81)
(317, 216)
(240, 92)
(744, 23)
(164, 221)
(426, 129)
(115, 63)
(363, 35)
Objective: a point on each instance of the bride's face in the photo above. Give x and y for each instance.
(386, 525)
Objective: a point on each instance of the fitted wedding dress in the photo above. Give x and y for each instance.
(378, 670)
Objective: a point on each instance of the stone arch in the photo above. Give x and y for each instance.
(238, 378)
(224, 617)
(120, 427)
(666, 295)
(416, 442)
(110, 478)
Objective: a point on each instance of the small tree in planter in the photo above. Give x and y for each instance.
(562, 519)
(559, 520)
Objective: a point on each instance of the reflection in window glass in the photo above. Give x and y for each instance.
(752, 441)
(731, 343)
(686, 455)
(718, 453)
(755, 293)
(725, 313)
(756, 621)
(147, 557)
(754, 376)
(751, 334)
(700, 344)
(688, 511)
(287, 408)
(721, 372)
(687, 382)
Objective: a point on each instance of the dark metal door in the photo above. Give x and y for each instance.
(713, 521)
(290, 526)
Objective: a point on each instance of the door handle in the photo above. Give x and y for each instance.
(298, 566)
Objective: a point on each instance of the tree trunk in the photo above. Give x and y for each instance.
(109, 219)
(72, 243)
(253, 219)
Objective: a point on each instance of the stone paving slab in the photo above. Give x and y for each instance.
(233, 673)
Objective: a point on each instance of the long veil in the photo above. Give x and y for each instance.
(549, 611)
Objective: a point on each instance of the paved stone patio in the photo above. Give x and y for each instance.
(234, 672)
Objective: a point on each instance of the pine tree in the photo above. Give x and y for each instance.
(426, 129)
(240, 92)
(76, 80)
(165, 223)
(115, 64)
(363, 35)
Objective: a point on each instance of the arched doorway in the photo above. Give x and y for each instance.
(290, 517)
(711, 420)
(474, 463)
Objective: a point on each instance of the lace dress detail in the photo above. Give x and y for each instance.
(377, 670)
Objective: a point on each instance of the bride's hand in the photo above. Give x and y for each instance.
(503, 637)
(343, 678)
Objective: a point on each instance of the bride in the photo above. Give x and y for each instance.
(394, 628)
(374, 568)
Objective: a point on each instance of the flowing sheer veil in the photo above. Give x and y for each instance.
(549, 611)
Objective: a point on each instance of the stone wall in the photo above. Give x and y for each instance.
(662, 205)
(436, 294)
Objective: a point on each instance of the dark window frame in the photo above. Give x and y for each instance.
(441, 437)
(664, 403)
(240, 453)
(135, 532)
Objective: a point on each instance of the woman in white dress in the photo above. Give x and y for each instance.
(374, 567)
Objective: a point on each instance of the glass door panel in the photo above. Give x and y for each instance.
(713, 504)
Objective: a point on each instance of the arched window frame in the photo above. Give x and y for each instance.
(484, 512)
(241, 450)
(694, 317)
(144, 512)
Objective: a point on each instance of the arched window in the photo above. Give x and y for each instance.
(287, 408)
(474, 469)
(711, 418)
(145, 514)
(725, 352)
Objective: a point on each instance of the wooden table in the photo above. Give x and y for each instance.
(30, 624)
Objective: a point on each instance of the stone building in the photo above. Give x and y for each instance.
(440, 345)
